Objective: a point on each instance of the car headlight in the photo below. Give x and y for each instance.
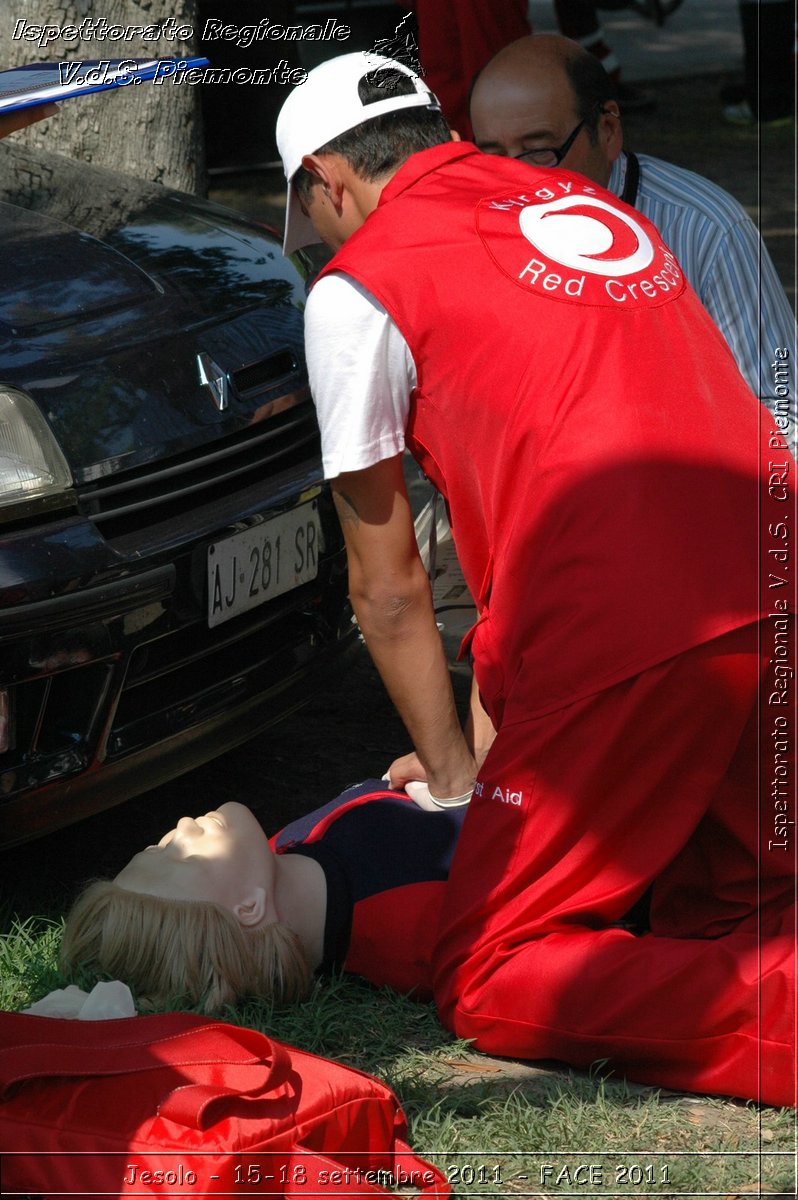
(34, 475)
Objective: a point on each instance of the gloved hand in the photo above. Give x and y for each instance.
(400, 774)
(419, 793)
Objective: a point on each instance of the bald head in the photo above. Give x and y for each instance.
(535, 92)
(537, 52)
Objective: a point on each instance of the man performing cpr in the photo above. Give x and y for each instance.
(535, 344)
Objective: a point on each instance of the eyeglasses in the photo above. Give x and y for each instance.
(552, 156)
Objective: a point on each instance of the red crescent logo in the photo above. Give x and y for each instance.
(624, 239)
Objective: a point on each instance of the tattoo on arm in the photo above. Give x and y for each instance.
(345, 507)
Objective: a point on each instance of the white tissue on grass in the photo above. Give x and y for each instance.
(105, 1002)
(65, 1002)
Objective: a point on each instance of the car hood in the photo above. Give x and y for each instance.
(120, 299)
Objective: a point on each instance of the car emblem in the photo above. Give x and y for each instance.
(215, 379)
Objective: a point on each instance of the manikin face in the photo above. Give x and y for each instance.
(519, 111)
(223, 856)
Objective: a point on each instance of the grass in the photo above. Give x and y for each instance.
(498, 1129)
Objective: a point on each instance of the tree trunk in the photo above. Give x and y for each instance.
(59, 188)
(151, 132)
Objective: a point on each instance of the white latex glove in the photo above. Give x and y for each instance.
(419, 793)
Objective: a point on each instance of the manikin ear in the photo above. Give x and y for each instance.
(610, 131)
(254, 910)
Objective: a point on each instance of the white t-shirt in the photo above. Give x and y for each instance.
(361, 375)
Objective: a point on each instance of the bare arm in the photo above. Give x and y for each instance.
(479, 731)
(392, 600)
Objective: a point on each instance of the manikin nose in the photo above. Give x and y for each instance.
(188, 827)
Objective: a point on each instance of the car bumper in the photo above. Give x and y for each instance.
(115, 683)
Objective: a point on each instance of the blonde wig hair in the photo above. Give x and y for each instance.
(187, 950)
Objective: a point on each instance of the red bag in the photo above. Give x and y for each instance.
(179, 1104)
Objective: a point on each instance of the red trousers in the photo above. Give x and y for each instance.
(457, 40)
(675, 780)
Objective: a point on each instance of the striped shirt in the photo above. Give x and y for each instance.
(724, 258)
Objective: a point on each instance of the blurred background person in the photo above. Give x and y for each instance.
(579, 20)
(767, 93)
(455, 42)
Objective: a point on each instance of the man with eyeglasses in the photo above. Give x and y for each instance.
(534, 344)
(549, 102)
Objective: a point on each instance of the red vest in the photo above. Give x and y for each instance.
(581, 413)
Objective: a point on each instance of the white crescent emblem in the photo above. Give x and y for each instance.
(595, 237)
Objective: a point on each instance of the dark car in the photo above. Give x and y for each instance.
(172, 578)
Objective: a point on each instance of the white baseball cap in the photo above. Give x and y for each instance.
(325, 105)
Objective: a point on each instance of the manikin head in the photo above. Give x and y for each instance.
(538, 92)
(342, 134)
(194, 918)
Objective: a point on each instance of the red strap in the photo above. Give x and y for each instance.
(309, 1171)
(439, 1186)
(192, 1105)
(254, 1063)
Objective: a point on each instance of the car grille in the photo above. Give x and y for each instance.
(126, 502)
(192, 675)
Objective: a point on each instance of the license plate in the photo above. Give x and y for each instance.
(257, 565)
